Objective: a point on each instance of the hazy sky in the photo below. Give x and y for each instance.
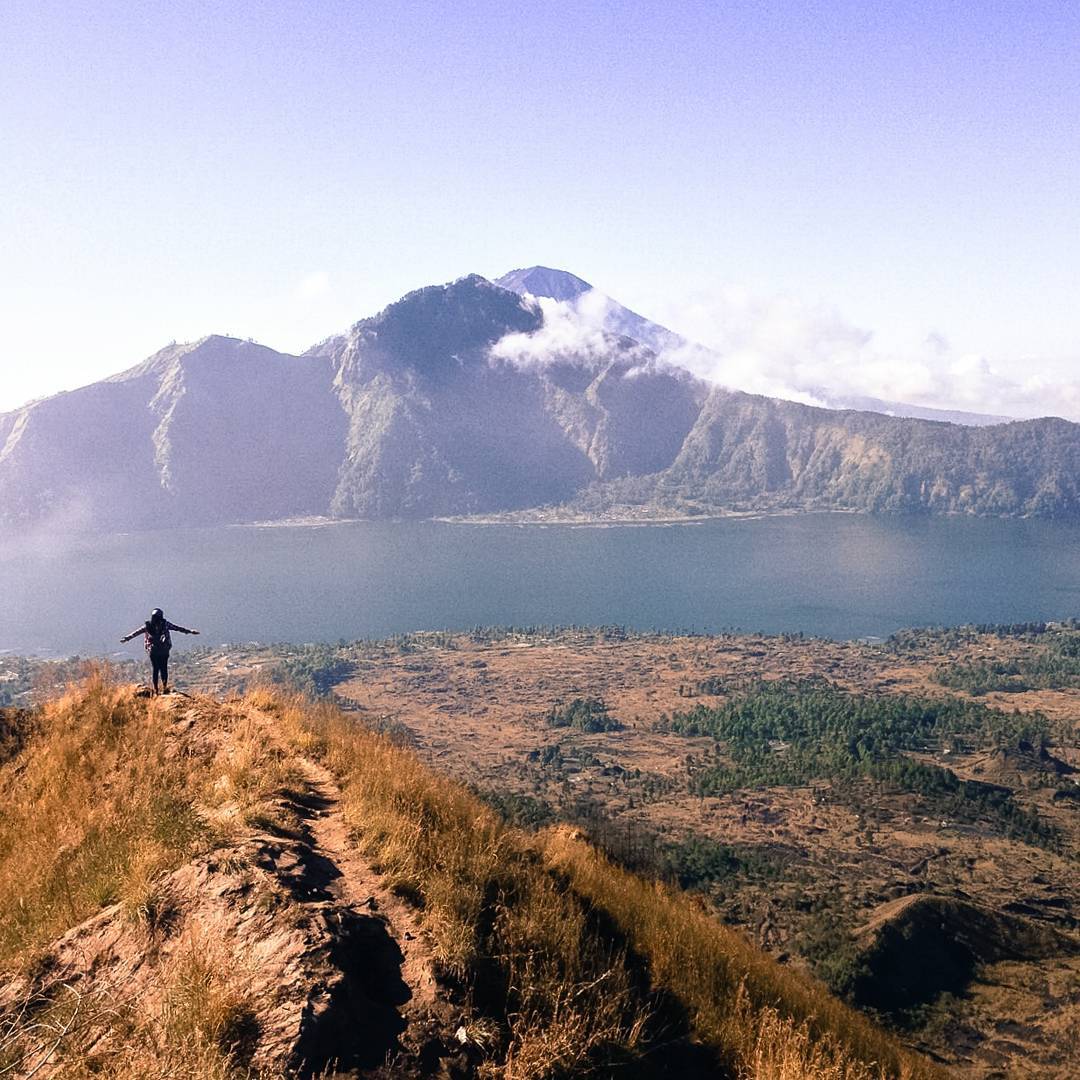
(895, 180)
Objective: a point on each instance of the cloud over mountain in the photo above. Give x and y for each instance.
(573, 331)
(778, 346)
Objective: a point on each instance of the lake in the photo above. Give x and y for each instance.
(836, 575)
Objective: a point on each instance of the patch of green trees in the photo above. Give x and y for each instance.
(585, 714)
(789, 733)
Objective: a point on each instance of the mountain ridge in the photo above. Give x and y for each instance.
(471, 398)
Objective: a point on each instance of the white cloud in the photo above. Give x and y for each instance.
(572, 331)
(781, 347)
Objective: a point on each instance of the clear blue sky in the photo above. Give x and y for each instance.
(280, 169)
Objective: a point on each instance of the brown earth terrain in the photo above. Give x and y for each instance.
(821, 861)
(259, 888)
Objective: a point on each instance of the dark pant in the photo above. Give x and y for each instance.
(159, 661)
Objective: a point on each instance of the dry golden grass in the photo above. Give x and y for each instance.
(582, 958)
(188, 1025)
(757, 1010)
(94, 807)
(110, 794)
(574, 967)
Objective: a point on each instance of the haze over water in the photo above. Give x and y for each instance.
(835, 575)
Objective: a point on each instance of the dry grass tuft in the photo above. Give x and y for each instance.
(194, 1022)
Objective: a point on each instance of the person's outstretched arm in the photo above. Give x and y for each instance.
(180, 629)
(133, 634)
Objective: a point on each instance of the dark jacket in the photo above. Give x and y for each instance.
(156, 635)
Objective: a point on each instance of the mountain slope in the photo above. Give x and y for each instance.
(264, 889)
(437, 426)
(219, 430)
(744, 447)
(754, 453)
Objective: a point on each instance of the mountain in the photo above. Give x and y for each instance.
(472, 398)
(218, 430)
(616, 319)
(748, 452)
(437, 426)
(406, 415)
(543, 281)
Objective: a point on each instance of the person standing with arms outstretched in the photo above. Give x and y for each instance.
(158, 644)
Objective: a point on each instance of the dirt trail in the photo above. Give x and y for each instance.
(360, 888)
(334, 975)
(386, 997)
(377, 1000)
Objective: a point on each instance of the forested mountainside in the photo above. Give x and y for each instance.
(413, 414)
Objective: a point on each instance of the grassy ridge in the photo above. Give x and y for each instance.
(587, 963)
(571, 966)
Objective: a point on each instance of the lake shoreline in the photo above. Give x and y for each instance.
(535, 518)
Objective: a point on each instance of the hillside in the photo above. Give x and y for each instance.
(747, 452)
(809, 791)
(474, 399)
(261, 888)
(207, 432)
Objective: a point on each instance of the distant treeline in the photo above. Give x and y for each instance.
(1055, 667)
